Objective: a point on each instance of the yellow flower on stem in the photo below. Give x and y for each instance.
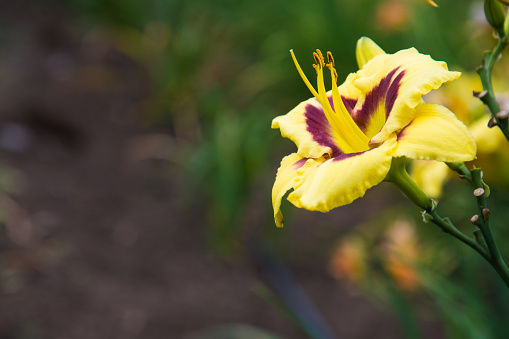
(348, 137)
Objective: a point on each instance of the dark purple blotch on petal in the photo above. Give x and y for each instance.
(320, 128)
(349, 103)
(349, 155)
(392, 93)
(387, 90)
(299, 163)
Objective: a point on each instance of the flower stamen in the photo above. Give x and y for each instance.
(349, 136)
(319, 58)
(330, 59)
(303, 76)
(344, 116)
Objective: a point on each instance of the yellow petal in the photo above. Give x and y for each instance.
(366, 50)
(307, 126)
(341, 180)
(368, 109)
(430, 176)
(488, 139)
(285, 179)
(436, 134)
(412, 75)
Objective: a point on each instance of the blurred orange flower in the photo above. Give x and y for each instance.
(401, 255)
(349, 260)
(393, 15)
(398, 252)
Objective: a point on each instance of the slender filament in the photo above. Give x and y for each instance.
(348, 135)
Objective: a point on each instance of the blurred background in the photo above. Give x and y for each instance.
(137, 160)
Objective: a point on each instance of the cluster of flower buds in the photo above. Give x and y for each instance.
(495, 14)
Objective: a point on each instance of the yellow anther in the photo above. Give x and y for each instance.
(319, 58)
(318, 64)
(317, 68)
(333, 71)
(330, 58)
(432, 3)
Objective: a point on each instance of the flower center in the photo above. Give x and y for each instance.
(349, 136)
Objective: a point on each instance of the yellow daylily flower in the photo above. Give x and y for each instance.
(347, 137)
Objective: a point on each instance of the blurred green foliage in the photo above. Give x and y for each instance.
(220, 71)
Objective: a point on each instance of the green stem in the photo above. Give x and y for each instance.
(485, 71)
(475, 179)
(399, 176)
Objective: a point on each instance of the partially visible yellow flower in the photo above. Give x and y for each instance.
(347, 137)
(488, 139)
(493, 152)
(492, 155)
(458, 97)
(432, 3)
(429, 176)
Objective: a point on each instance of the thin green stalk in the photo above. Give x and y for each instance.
(484, 224)
(483, 220)
(488, 95)
(448, 227)
(399, 176)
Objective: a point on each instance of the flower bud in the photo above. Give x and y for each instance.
(366, 50)
(495, 14)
